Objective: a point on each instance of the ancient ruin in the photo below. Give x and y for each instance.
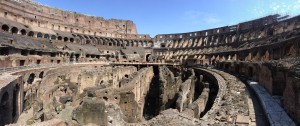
(65, 68)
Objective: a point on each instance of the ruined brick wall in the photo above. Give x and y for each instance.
(132, 102)
(38, 15)
(168, 88)
(186, 92)
(11, 97)
(291, 96)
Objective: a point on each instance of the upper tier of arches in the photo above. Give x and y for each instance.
(255, 30)
(30, 12)
(78, 38)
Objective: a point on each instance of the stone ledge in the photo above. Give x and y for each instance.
(275, 113)
(221, 92)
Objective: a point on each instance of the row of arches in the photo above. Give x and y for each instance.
(224, 53)
(15, 30)
(80, 39)
(213, 40)
(233, 36)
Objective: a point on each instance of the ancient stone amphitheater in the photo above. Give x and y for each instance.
(64, 68)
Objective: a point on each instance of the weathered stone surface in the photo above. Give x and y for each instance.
(91, 112)
(55, 62)
(275, 113)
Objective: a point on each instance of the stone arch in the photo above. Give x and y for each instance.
(148, 57)
(175, 44)
(256, 55)
(59, 38)
(101, 41)
(290, 51)
(39, 35)
(266, 56)
(185, 43)
(4, 106)
(135, 43)
(118, 43)
(30, 33)
(151, 44)
(23, 32)
(41, 75)
(190, 42)
(88, 41)
(131, 43)
(31, 78)
(16, 97)
(140, 44)
(14, 30)
(71, 39)
(53, 37)
(195, 42)
(66, 39)
(4, 98)
(5, 28)
(126, 42)
(46, 36)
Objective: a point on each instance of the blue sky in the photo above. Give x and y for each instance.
(177, 16)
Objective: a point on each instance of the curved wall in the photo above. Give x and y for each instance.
(38, 15)
(265, 49)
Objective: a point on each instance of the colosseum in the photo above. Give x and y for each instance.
(64, 68)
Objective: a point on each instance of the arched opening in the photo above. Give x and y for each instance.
(66, 39)
(31, 78)
(46, 36)
(126, 75)
(59, 38)
(126, 43)
(105, 98)
(4, 106)
(110, 44)
(39, 35)
(72, 57)
(77, 57)
(41, 75)
(148, 57)
(151, 44)
(53, 37)
(88, 41)
(16, 100)
(31, 34)
(71, 39)
(23, 32)
(5, 28)
(14, 30)
(4, 98)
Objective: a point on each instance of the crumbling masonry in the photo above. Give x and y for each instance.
(65, 68)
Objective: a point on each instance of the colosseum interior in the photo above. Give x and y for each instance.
(65, 68)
